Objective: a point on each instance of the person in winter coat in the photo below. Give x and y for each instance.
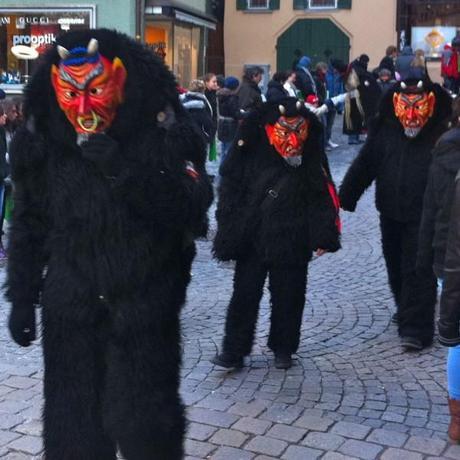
(304, 79)
(388, 62)
(397, 155)
(449, 320)
(276, 91)
(403, 64)
(110, 193)
(438, 198)
(361, 105)
(385, 81)
(277, 205)
(211, 87)
(197, 105)
(4, 172)
(229, 114)
(289, 84)
(249, 93)
(440, 223)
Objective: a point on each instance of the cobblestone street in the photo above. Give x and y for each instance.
(352, 393)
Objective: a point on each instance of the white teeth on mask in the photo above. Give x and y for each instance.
(412, 132)
(294, 161)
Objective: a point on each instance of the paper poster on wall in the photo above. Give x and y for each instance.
(432, 39)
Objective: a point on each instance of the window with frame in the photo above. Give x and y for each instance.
(322, 4)
(258, 4)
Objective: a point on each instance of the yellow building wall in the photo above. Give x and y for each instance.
(250, 37)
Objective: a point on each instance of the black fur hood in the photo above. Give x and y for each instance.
(144, 96)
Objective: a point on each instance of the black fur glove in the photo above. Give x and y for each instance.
(103, 151)
(22, 325)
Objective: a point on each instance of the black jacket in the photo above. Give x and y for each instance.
(388, 63)
(229, 114)
(199, 108)
(437, 203)
(276, 91)
(305, 83)
(283, 229)
(211, 96)
(4, 167)
(249, 95)
(449, 320)
(398, 164)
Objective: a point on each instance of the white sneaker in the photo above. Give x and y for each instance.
(331, 144)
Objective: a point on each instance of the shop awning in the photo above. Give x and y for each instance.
(180, 11)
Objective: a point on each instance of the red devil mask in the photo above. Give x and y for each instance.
(288, 136)
(89, 87)
(413, 109)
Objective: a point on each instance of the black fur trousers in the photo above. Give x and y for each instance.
(287, 286)
(415, 295)
(104, 390)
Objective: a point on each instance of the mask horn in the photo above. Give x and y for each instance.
(63, 52)
(282, 109)
(420, 84)
(403, 85)
(93, 47)
(298, 105)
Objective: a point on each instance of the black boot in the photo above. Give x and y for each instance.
(228, 360)
(283, 360)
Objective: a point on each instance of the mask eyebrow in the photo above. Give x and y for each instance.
(65, 76)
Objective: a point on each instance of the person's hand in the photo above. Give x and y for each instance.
(103, 151)
(320, 252)
(22, 325)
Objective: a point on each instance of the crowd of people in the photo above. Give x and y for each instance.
(111, 192)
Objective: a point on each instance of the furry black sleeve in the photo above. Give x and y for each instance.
(26, 250)
(359, 176)
(170, 188)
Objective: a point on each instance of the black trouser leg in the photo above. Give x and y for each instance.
(392, 252)
(248, 284)
(74, 354)
(142, 409)
(287, 288)
(418, 298)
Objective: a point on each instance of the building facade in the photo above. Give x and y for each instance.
(269, 32)
(175, 30)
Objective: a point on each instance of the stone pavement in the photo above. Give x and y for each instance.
(352, 393)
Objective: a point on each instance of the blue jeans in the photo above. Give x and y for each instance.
(453, 372)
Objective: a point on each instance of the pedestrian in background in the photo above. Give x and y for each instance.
(419, 64)
(276, 90)
(403, 64)
(304, 79)
(249, 93)
(210, 80)
(385, 80)
(197, 105)
(4, 173)
(229, 114)
(388, 62)
(289, 84)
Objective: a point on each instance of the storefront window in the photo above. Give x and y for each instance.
(33, 30)
(428, 25)
(158, 37)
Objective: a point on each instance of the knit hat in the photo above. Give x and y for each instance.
(304, 61)
(231, 83)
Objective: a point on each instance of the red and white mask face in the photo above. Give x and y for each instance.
(413, 110)
(288, 136)
(89, 88)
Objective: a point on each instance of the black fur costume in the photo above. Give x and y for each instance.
(118, 252)
(272, 233)
(399, 165)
